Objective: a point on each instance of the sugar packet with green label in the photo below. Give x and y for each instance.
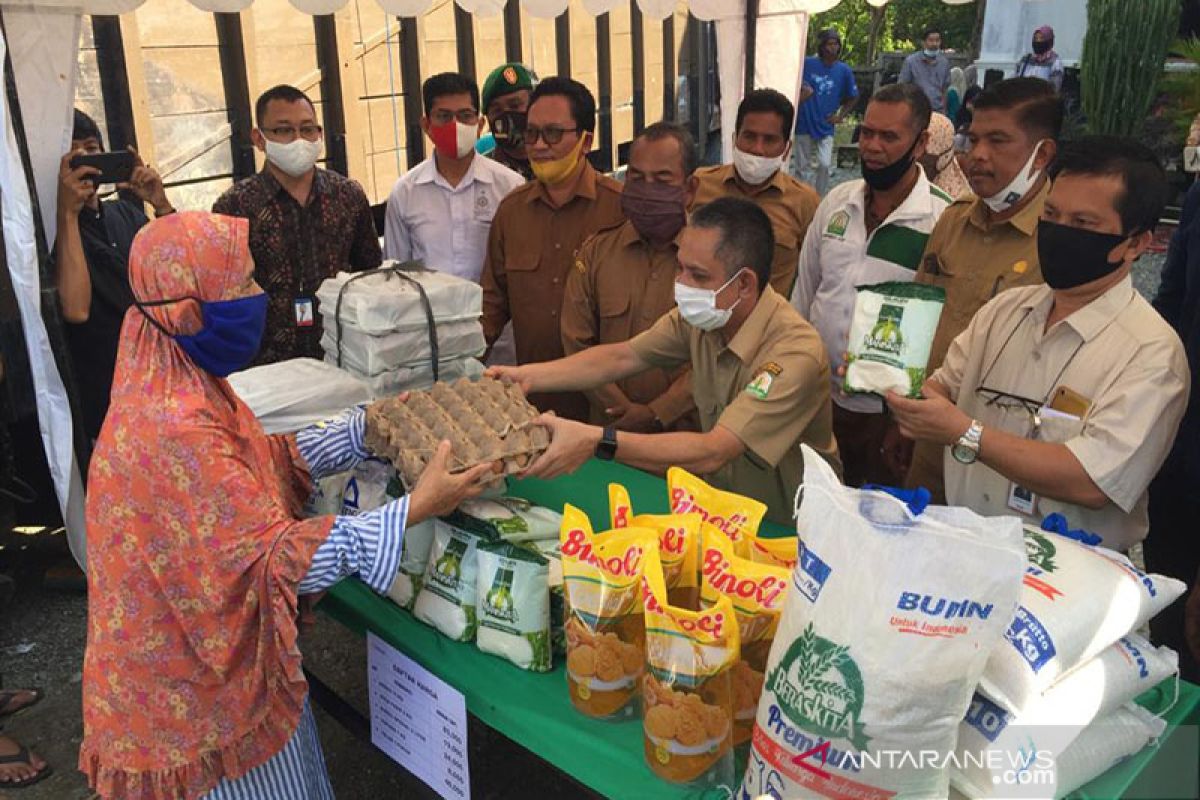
(891, 334)
(513, 605)
(447, 598)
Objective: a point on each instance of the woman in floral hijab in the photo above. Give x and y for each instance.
(940, 162)
(197, 554)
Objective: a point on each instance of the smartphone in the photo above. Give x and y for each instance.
(115, 167)
(1069, 401)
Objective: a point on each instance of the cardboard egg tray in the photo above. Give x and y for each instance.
(484, 420)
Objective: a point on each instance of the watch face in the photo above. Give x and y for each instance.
(964, 454)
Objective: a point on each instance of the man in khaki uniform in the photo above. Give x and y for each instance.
(1065, 397)
(761, 146)
(539, 227)
(624, 280)
(987, 242)
(760, 372)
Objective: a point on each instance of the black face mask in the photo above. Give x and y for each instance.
(1071, 257)
(509, 130)
(886, 177)
(1040, 47)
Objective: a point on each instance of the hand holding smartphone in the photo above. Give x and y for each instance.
(115, 167)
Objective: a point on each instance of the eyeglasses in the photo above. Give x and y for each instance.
(467, 116)
(287, 133)
(1006, 402)
(551, 134)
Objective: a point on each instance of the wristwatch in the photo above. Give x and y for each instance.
(606, 449)
(966, 449)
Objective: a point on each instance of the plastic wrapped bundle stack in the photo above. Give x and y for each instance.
(391, 325)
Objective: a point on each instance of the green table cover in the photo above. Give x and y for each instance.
(533, 709)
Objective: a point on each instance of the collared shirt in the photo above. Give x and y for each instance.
(1116, 352)
(789, 203)
(445, 226)
(931, 75)
(531, 250)
(296, 247)
(839, 255)
(619, 287)
(768, 386)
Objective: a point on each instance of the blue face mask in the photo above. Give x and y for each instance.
(231, 336)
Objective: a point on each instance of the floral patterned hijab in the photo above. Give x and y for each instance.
(195, 550)
(947, 175)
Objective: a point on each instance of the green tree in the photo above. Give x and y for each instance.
(901, 26)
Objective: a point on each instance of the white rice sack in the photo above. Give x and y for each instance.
(414, 556)
(514, 605)
(383, 303)
(885, 633)
(327, 495)
(290, 395)
(1076, 600)
(890, 337)
(1119, 674)
(370, 354)
(1104, 744)
(514, 518)
(447, 596)
(372, 483)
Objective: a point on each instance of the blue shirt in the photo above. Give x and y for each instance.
(831, 85)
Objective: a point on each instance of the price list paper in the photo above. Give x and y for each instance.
(418, 719)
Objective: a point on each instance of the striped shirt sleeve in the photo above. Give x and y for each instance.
(335, 445)
(367, 545)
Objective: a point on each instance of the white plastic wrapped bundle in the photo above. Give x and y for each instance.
(408, 379)
(290, 395)
(369, 354)
(385, 302)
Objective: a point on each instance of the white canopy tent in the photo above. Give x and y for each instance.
(42, 39)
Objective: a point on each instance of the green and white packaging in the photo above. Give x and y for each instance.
(890, 337)
(514, 605)
(414, 556)
(515, 519)
(446, 600)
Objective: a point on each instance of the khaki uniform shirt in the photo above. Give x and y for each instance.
(531, 250)
(973, 259)
(619, 287)
(789, 203)
(1116, 352)
(768, 386)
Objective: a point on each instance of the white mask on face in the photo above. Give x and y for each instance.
(296, 157)
(1018, 187)
(755, 169)
(698, 307)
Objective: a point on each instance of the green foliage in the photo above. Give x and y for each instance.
(1182, 90)
(1123, 54)
(903, 22)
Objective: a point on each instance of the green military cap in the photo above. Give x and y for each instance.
(506, 79)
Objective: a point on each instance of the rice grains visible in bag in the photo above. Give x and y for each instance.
(513, 608)
(447, 598)
(888, 623)
(678, 544)
(414, 557)
(687, 722)
(891, 334)
(758, 593)
(605, 627)
(734, 515)
(1076, 600)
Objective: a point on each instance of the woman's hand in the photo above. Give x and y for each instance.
(438, 492)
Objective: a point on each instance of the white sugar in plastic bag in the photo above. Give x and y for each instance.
(1076, 600)
(886, 630)
(1104, 744)
(414, 556)
(891, 334)
(372, 483)
(447, 596)
(992, 741)
(513, 594)
(327, 495)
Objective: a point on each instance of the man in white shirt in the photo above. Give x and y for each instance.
(868, 231)
(441, 210)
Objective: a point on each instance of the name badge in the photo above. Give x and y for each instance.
(304, 312)
(1022, 500)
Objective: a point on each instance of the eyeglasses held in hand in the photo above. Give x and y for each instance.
(551, 134)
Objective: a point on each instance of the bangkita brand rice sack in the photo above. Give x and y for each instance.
(734, 515)
(447, 598)
(891, 334)
(513, 595)
(758, 593)
(687, 723)
(1076, 600)
(991, 741)
(678, 543)
(888, 622)
(606, 632)
(414, 558)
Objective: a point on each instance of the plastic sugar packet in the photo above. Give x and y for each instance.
(734, 515)
(605, 627)
(891, 334)
(447, 599)
(678, 543)
(1076, 600)
(1120, 673)
(372, 483)
(514, 518)
(414, 557)
(512, 587)
(887, 626)
(687, 722)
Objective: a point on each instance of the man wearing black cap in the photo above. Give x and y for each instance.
(828, 94)
(505, 100)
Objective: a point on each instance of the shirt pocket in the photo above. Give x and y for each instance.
(1059, 430)
(613, 310)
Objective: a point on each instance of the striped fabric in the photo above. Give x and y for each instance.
(297, 772)
(367, 545)
(335, 445)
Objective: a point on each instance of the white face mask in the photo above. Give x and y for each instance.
(755, 169)
(1018, 187)
(698, 307)
(296, 157)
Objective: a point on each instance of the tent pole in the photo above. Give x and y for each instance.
(464, 37)
(670, 70)
(562, 43)
(512, 31)
(410, 82)
(638, 54)
(332, 102)
(604, 80)
(232, 55)
(751, 44)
